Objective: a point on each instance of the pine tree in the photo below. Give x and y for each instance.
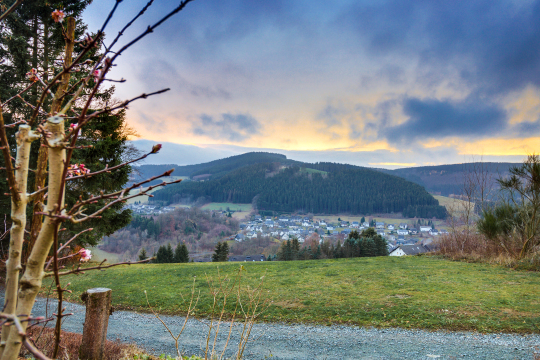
(181, 254)
(143, 255)
(381, 246)
(161, 256)
(170, 253)
(295, 249)
(224, 255)
(221, 252)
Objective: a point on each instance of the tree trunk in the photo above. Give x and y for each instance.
(32, 279)
(98, 309)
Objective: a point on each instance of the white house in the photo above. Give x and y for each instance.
(391, 227)
(402, 232)
(408, 250)
(403, 226)
(379, 225)
(425, 228)
(433, 232)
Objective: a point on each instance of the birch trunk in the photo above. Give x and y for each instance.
(24, 137)
(31, 281)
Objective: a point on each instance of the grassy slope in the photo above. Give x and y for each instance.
(410, 292)
(224, 206)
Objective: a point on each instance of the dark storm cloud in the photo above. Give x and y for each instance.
(228, 127)
(493, 44)
(436, 119)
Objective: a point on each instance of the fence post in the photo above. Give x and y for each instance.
(98, 309)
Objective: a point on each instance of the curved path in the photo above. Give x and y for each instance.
(284, 341)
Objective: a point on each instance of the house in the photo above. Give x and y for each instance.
(322, 223)
(355, 224)
(403, 250)
(403, 226)
(247, 258)
(391, 227)
(329, 228)
(239, 237)
(365, 224)
(433, 232)
(283, 218)
(425, 228)
(402, 232)
(443, 232)
(413, 231)
(381, 232)
(379, 225)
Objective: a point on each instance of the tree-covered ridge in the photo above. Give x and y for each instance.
(449, 179)
(216, 168)
(344, 189)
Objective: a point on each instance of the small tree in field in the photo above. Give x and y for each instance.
(65, 104)
(181, 254)
(143, 255)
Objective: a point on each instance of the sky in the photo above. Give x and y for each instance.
(374, 83)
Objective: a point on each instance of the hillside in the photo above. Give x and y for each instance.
(449, 179)
(214, 169)
(325, 188)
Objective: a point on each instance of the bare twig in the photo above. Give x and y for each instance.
(80, 270)
(10, 10)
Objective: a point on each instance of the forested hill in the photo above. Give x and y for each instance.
(322, 188)
(215, 169)
(449, 179)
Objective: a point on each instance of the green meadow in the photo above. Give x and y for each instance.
(409, 292)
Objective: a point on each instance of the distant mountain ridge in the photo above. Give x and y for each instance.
(449, 179)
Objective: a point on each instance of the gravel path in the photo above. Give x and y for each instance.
(310, 342)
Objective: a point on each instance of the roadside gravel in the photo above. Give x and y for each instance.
(284, 341)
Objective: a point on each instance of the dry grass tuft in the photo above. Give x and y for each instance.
(70, 343)
(472, 247)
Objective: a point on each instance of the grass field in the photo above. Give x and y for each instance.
(224, 206)
(314, 171)
(454, 205)
(408, 292)
(99, 255)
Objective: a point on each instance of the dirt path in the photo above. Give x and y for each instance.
(311, 342)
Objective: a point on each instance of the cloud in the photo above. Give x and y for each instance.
(434, 119)
(228, 127)
(493, 43)
(157, 71)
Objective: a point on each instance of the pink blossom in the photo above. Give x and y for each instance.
(85, 254)
(32, 75)
(96, 75)
(58, 15)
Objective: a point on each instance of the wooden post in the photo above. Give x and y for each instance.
(98, 309)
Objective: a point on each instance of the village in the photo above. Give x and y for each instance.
(401, 239)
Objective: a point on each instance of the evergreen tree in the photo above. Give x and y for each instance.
(217, 252)
(295, 249)
(221, 252)
(31, 40)
(380, 246)
(143, 255)
(169, 254)
(161, 256)
(363, 220)
(181, 254)
(224, 255)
